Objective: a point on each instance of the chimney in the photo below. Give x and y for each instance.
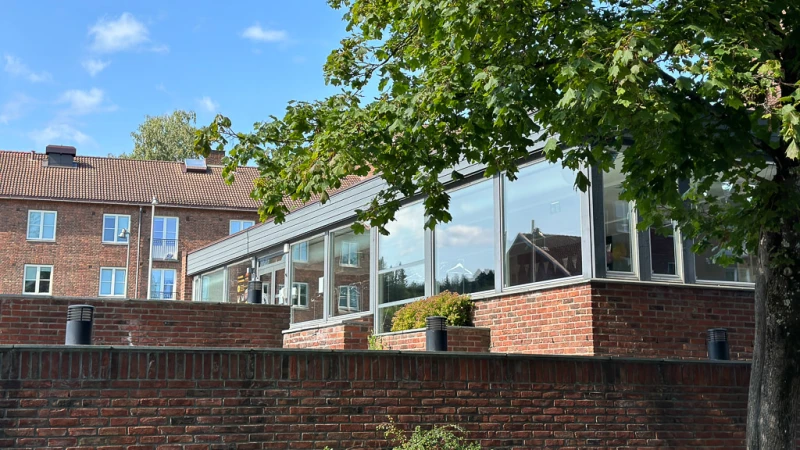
(60, 156)
(215, 158)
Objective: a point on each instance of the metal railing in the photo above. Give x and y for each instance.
(165, 249)
(163, 295)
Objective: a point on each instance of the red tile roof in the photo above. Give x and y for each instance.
(115, 180)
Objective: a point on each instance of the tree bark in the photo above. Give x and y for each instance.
(775, 377)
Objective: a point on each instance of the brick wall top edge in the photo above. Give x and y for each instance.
(371, 353)
(419, 330)
(122, 302)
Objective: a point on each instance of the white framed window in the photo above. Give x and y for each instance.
(165, 238)
(113, 224)
(349, 298)
(42, 225)
(299, 294)
(113, 282)
(239, 225)
(37, 279)
(349, 256)
(300, 252)
(162, 286)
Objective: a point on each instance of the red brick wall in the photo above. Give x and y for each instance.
(553, 321)
(212, 399)
(351, 335)
(459, 339)
(660, 321)
(42, 321)
(78, 252)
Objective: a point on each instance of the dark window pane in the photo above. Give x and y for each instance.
(663, 251)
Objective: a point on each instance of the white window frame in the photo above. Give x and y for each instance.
(114, 271)
(297, 303)
(117, 229)
(298, 246)
(241, 225)
(678, 242)
(41, 225)
(164, 231)
(38, 279)
(347, 246)
(349, 289)
(161, 286)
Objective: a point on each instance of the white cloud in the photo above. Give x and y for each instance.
(17, 68)
(84, 102)
(463, 236)
(15, 108)
(59, 133)
(116, 35)
(208, 104)
(95, 66)
(258, 34)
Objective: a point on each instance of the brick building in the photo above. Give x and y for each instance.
(82, 226)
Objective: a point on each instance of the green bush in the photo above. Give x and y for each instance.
(446, 437)
(456, 308)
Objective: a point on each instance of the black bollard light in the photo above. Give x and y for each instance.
(717, 341)
(436, 334)
(254, 291)
(80, 319)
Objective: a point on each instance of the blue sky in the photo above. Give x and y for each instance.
(86, 73)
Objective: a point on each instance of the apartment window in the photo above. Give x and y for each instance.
(163, 284)
(42, 225)
(38, 279)
(239, 225)
(542, 225)
(664, 250)
(349, 256)
(308, 280)
(619, 222)
(350, 268)
(401, 263)
(113, 224)
(165, 238)
(349, 298)
(212, 286)
(465, 245)
(112, 282)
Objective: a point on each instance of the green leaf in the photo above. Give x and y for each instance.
(793, 152)
(550, 145)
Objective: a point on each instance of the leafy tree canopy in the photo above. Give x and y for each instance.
(167, 138)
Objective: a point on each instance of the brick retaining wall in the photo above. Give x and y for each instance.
(42, 320)
(192, 399)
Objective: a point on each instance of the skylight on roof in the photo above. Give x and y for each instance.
(195, 165)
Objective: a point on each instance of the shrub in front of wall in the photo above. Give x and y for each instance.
(456, 308)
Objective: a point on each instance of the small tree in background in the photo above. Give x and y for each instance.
(165, 138)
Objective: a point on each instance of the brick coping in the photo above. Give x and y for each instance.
(339, 321)
(371, 353)
(417, 330)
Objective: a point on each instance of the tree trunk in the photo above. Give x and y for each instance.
(775, 377)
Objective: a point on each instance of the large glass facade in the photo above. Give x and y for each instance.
(401, 262)
(308, 280)
(619, 222)
(350, 272)
(464, 252)
(542, 225)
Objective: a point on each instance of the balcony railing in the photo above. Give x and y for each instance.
(165, 249)
(163, 295)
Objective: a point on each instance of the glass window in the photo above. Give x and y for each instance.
(351, 265)
(619, 224)
(238, 277)
(112, 282)
(41, 225)
(239, 225)
(664, 249)
(401, 262)
(165, 238)
(163, 286)
(113, 224)
(465, 245)
(212, 286)
(37, 279)
(308, 280)
(542, 225)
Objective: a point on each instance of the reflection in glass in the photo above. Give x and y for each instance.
(465, 245)
(238, 277)
(618, 222)
(308, 281)
(542, 225)
(351, 263)
(401, 284)
(663, 251)
(212, 287)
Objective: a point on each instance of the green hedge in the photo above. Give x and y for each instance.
(456, 308)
